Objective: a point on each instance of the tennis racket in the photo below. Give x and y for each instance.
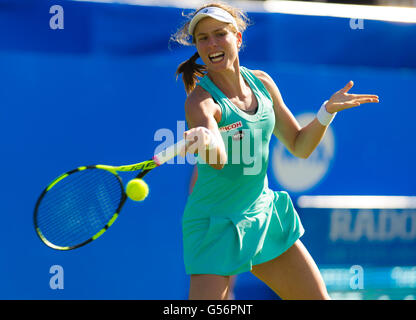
(80, 205)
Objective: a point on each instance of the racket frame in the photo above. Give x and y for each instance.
(102, 230)
(146, 166)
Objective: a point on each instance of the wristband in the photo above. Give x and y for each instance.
(212, 140)
(324, 117)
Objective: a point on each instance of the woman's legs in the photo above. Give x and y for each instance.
(209, 287)
(293, 275)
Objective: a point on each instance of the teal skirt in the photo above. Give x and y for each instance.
(229, 245)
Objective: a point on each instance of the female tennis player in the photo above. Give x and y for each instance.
(233, 222)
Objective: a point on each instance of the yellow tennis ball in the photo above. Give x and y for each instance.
(137, 189)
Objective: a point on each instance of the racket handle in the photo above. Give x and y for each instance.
(169, 152)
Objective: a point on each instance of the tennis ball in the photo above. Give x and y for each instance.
(137, 189)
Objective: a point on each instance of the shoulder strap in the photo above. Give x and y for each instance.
(209, 86)
(255, 83)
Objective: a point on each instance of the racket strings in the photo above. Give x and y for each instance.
(79, 206)
(76, 211)
(77, 198)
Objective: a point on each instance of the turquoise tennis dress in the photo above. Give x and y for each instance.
(232, 220)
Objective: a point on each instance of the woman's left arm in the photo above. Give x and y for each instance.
(301, 142)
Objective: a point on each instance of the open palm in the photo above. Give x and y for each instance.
(341, 99)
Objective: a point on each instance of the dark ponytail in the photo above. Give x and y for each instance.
(190, 71)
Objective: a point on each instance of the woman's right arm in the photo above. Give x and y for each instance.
(201, 114)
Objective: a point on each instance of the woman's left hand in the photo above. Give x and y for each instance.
(341, 99)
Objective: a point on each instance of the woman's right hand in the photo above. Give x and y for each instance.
(198, 140)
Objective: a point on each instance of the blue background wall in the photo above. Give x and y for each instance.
(99, 90)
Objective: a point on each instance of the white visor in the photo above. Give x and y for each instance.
(213, 12)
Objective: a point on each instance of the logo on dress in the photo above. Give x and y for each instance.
(296, 174)
(231, 126)
(238, 135)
